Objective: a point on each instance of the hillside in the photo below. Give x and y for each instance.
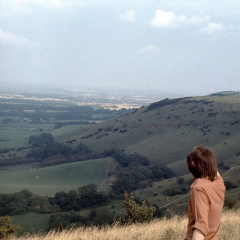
(164, 132)
(172, 228)
(167, 130)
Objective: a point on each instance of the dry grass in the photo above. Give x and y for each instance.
(163, 229)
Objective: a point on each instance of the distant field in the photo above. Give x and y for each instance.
(49, 180)
(13, 135)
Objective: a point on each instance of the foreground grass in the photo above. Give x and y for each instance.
(163, 229)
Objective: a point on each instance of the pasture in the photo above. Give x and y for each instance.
(49, 180)
(16, 133)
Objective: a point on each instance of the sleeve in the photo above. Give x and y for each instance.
(191, 221)
(200, 209)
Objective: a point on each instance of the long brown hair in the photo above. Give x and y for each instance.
(202, 163)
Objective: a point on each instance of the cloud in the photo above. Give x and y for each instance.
(212, 28)
(150, 48)
(10, 8)
(8, 38)
(166, 19)
(58, 4)
(128, 16)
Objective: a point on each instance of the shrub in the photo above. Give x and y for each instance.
(136, 213)
(7, 229)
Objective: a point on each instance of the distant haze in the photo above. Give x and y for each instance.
(176, 48)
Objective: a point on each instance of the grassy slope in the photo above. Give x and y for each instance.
(173, 228)
(49, 180)
(166, 134)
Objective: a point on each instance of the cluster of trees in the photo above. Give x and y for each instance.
(62, 206)
(69, 220)
(25, 201)
(86, 197)
(137, 211)
(137, 172)
(22, 202)
(42, 139)
(46, 151)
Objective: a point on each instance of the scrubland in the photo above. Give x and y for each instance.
(160, 229)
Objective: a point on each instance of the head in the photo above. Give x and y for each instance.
(202, 163)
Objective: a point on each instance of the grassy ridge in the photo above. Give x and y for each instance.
(164, 229)
(167, 132)
(49, 180)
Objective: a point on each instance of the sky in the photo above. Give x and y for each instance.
(175, 47)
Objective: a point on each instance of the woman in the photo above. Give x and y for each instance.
(207, 196)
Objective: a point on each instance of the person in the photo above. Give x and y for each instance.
(207, 195)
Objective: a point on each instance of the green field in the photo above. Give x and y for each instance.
(13, 135)
(31, 222)
(49, 180)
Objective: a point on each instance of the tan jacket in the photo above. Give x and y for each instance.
(205, 207)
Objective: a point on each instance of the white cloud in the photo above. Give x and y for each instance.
(212, 28)
(150, 48)
(9, 8)
(128, 16)
(58, 4)
(166, 19)
(8, 38)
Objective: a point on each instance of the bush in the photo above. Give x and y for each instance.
(7, 229)
(136, 213)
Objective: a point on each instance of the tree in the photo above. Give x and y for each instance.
(87, 190)
(136, 213)
(42, 139)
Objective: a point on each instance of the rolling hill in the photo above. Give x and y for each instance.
(166, 131)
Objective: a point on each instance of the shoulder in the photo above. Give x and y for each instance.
(199, 183)
(203, 184)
